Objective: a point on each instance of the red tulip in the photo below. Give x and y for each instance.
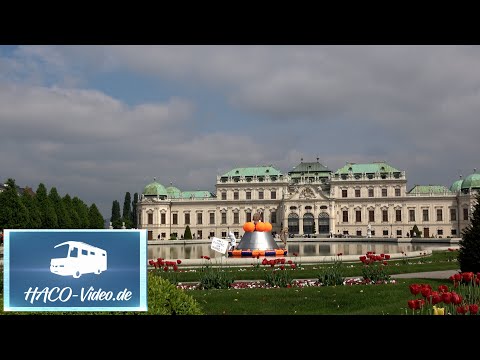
(289, 261)
(363, 258)
(179, 261)
(467, 276)
(420, 303)
(175, 267)
(443, 288)
(385, 263)
(165, 268)
(457, 277)
(447, 297)
(412, 304)
(387, 257)
(456, 299)
(426, 292)
(293, 266)
(415, 289)
(461, 310)
(436, 299)
(473, 309)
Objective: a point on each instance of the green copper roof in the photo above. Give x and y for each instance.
(155, 188)
(379, 167)
(457, 185)
(427, 189)
(196, 194)
(310, 167)
(173, 192)
(252, 171)
(471, 181)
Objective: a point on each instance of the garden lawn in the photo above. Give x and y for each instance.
(386, 299)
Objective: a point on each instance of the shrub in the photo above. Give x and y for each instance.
(278, 277)
(214, 277)
(164, 298)
(469, 251)
(332, 275)
(188, 233)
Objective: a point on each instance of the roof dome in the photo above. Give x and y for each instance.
(155, 188)
(472, 181)
(172, 191)
(456, 186)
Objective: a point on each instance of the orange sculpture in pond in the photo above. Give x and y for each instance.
(260, 226)
(268, 226)
(249, 226)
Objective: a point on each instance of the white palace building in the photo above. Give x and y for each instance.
(312, 201)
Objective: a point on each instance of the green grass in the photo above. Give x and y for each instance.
(388, 299)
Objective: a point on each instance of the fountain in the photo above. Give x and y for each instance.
(257, 240)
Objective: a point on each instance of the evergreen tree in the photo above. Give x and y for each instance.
(13, 213)
(95, 218)
(74, 218)
(469, 251)
(63, 216)
(127, 212)
(134, 211)
(187, 235)
(34, 213)
(82, 210)
(417, 232)
(47, 211)
(116, 218)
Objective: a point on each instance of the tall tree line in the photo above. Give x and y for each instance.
(45, 209)
(128, 215)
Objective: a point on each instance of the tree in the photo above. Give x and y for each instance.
(82, 210)
(47, 211)
(13, 213)
(188, 233)
(63, 216)
(415, 231)
(95, 218)
(116, 218)
(74, 218)
(34, 214)
(134, 211)
(469, 251)
(127, 212)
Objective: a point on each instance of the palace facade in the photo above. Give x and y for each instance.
(313, 201)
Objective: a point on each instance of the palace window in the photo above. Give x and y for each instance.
(260, 195)
(212, 218)
(236, 219)
(398, 215)
(199, 218)
(425, 214)
(384, 192)
(224, 195)
(162, 219)
(453, 214)
(357, 192)
(150, 219)
(411, 215)
(384, 215)
(235, 195)
(397, 192)
(224, 217)
(344, 193)
(345, 215)
(371, 215)
(273, 194)
(370, 192)
(248, 195)
(187, 219)
(175, 219)
(358, 216)
(439, 215)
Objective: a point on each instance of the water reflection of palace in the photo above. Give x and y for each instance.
(196, 251)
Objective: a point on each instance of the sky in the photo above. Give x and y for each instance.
(99, 121)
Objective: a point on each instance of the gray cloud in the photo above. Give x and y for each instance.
(413, 106)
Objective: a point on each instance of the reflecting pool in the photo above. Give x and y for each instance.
(301, 248)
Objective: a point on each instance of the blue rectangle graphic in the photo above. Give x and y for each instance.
(75, 270)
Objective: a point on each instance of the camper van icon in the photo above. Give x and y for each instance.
(81, 259)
